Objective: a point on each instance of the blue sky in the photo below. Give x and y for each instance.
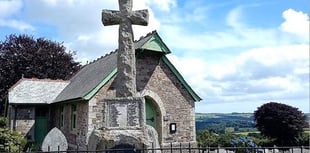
(236, 54)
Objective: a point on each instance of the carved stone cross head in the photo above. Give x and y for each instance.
(112, 17)
(126, 61)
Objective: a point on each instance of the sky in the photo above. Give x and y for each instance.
(235, 54)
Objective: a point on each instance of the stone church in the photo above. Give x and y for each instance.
(78, 107)
(99, 108)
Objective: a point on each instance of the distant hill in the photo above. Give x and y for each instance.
(221, 123)
(227, 122)
(224, 116)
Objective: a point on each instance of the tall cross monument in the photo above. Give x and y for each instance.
(126, 62)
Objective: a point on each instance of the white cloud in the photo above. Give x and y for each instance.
(78, 17)
(233, 17)
(8, 8)
(296, 22)
(164, 5)
(83, 38)
(211, 40)
(259, 74)
(20, 25)
(271, 66)
(238, 35)
(274, 55)
(79, 23)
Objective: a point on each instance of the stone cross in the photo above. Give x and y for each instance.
(126, 62)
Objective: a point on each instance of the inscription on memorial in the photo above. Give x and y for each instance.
(124, 112)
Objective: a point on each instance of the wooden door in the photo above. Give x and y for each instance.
(41, 126)
(150, 111)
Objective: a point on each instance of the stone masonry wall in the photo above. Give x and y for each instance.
(75, 136)
(154, 75)
(96, 106)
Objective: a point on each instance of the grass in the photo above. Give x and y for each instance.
(246, 133)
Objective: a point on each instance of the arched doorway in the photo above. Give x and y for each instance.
(154, 101)
(153, 116)
(150, 113)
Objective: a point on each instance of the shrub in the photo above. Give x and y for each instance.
(10, 140)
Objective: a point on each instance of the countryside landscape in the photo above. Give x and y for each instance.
(229, 122)
(220, 129)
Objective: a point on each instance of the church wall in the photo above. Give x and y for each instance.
(89, 117)
(156, 76)
(75, 136)
(96, 106)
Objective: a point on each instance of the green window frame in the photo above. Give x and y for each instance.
(73, 116)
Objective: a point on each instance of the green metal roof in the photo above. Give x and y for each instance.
(152, 42)
(156, 44)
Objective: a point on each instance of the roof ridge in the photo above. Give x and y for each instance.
(111, 52)
(101, 57)
(148, 34)
(37, 79)
(44, 79)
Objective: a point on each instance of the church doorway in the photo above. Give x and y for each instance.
(153, 116)
(41, 125)
(150, 113)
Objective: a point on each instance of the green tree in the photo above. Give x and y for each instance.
(206, 138)
(224, 140)
(22, 55)
(281, 122)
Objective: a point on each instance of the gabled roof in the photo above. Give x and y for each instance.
(152, 42)
(88, 78)
(35, 91)
(87, 82)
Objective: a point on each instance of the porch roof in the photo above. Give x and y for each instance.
(35, 91)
